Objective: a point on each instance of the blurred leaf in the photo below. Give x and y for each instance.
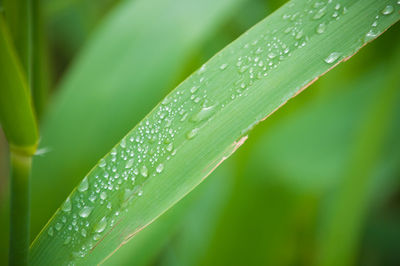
(71, 22)
(351, 202)
(201, 123)
(111, 87)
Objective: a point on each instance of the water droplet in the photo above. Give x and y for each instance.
(299, 35)
(67, 240)
(83, 232)
(203, 114)
(103, 195)
(50, 231)
(194, 89)
(123, 143)
(143, 171)
(102, 162)
(170, 147)
(192, 133)
(84, 185)
(388, 10)
(85, 211)
(271, 55)
(332, 57)
(92, 198)
(371, 34)
(66, 207)
(160, 168)
(223, 66)
(58, 226)
(320, 13)
(243, 69)
(321, 28)
(129, 163)
(78, 254)
(287, 30)
(101, 225)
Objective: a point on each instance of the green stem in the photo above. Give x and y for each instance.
(40, 63)
(18, 14)
(20, 211)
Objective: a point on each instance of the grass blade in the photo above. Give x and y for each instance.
(203, 121)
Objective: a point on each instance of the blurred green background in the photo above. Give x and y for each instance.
(318, 183)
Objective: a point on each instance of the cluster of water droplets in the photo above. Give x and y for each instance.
(120, 176)
(258, 58)
(374, 31)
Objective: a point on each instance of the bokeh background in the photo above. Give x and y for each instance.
(318, 183)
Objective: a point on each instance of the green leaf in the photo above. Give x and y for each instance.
(16, 112)
(203, 121)
(111, 87)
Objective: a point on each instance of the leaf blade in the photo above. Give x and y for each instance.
(214, 126)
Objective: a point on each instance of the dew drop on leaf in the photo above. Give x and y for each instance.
(371, 34)
(83, 232)
(192, 133)
(102, 163)
(84, 185)
(66, 207)
(170, 147)
(332, 57)
(203, 114)
(144, 171)
(103, 195)
(101, 225)
(50, 231)
(320, 13)
(321, 28)
(160, 168)
(129, 163)
(85, 211)
(67, 240)
(388, 10)
(92, 198)
(58, 226)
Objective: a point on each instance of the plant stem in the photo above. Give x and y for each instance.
(40, 60)
(20, 211)
(18, 14)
